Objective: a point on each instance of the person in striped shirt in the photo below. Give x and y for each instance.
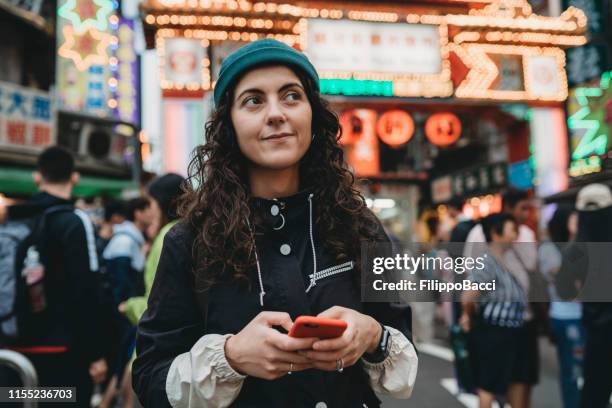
(494, 320)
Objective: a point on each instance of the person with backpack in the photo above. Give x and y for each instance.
(50, 282)
(272, 228)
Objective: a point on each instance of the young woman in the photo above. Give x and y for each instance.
(271, 231)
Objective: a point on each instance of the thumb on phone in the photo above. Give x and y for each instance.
(334, 312)
(277, 319)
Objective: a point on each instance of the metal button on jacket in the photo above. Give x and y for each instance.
(321, 405)
(274, 210)
(285, 249)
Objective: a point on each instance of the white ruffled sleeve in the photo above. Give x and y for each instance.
(202, 377)
(396, 374)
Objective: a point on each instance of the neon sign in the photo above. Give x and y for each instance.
(87, 13)
(85, 49)
(590, 120)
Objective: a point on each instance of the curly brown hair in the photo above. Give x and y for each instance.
(216, 207)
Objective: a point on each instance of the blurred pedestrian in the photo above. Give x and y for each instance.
(164, 193)
(594, 205)
(124, 261)
(517, 204)
(565, 316)
(494, 320)
(124, 255)
(65, 343)
(273, 213)
(425, 307)
(521, 258)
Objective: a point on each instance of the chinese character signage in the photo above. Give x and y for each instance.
(27, 118)
(588, 62)
(585, 63)
(480, 180)
(359, 46)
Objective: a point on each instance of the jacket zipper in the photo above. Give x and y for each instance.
(333, 270)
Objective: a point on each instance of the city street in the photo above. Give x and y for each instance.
(179, 178)
(436, 386)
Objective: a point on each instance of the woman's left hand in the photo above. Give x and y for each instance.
(361, 335)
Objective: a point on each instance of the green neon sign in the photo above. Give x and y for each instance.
(75, 11)
(585, 166)
(355, 87)
(590, 119)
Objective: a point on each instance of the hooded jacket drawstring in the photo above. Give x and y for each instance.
(313, 279)
(262, 293)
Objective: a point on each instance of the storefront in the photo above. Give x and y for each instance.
(88, 104)
(423, 90)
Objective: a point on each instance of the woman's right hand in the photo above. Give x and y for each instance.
(261, 351)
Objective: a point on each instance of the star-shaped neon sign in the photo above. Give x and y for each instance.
(85, 49)
(84, 14)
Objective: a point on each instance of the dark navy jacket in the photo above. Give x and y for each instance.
(173, 322)
(71, 284)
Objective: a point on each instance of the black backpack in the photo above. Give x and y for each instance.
(22, 303)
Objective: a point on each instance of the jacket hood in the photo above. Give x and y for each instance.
(127, 241)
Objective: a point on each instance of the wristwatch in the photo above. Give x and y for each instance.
(382, 351)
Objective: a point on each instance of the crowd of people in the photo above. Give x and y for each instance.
(540, 292)
(99, 263)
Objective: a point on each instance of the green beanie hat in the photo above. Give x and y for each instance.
(258, 53)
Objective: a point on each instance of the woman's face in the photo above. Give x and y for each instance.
(272, 117)
(156, 218)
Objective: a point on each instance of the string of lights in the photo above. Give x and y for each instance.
(497, 28)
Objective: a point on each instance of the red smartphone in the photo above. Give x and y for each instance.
(311, 326)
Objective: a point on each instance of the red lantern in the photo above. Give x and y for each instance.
(443, 129)
(363, 154)
(352, 127)
(395, 127)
